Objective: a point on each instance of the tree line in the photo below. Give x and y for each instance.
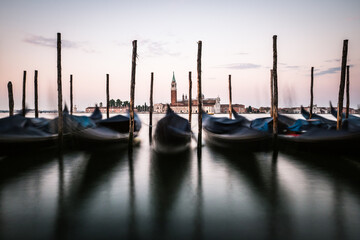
(119, 103)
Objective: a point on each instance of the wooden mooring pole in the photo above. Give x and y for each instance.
(132, 95)
(199, 143)
(24, 95)
(230, 98)
(271, 93)
(190, 99)
(275, 107)
(71, 94)
(59, 89)
(342, 85)
(11, 98)
(151, 109)
(311, 92)
(36, 94)
(107, 97)
(347, 91)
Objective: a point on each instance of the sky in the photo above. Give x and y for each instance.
(236, 40)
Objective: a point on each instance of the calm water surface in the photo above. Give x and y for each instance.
(107, 194)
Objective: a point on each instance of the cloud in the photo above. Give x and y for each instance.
(289, 66)
(157, 48)
(333, 60)
(328, 71)
(150, 48)
(50, 42)
(292, 67)
(240, 66)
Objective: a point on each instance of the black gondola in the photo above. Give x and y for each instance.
(120, 123)
(86, 133)
(172, 133)
(320, 134)
(326, 123)
(83, 132)
(20, 134)
(334, 113)
(234, 133)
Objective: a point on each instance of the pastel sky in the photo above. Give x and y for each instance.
(236, 36)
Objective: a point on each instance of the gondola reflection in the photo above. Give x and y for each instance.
(77, 185)
(167, 175)
(260, 172)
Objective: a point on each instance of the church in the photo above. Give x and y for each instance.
(210, 105)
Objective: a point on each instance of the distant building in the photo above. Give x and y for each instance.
(210, 105)
(239, 108)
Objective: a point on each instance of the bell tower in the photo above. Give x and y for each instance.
(173, 90)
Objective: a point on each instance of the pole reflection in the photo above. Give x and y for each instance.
(198, 220)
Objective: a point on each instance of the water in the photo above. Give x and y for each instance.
(107, 194)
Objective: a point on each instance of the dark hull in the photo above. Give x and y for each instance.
(24, 145)
(120, 123)
(234, 134)
(249, 141)
(99, 137)
(330, 142)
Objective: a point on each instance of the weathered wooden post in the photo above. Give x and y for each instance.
(71, 94)
(190, 98)
(271, 93)
(132, 93)
(199, 97)
(347, 91)
(36, 94)
(59, 89)
(275, 108)
(107, 97)
(342, 85)
(230, 98)
(311, 92)
(11, 99)
(151, 109)
(24, 95)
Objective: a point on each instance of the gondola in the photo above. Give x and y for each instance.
(234, 133)
(325, 123)
(19, 134)
(83, 132)
(120, 123)
(351, 124)
(318, 134)
(172, 134)
(334, 113)
(308, 135)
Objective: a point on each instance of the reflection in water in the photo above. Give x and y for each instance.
(261, 177)
(220, 194)
(167, 174)
(60, 220)
(198, 222)
(12, 167)
(132, 198)
(342, 177)
(21, 193)
(76, 188)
